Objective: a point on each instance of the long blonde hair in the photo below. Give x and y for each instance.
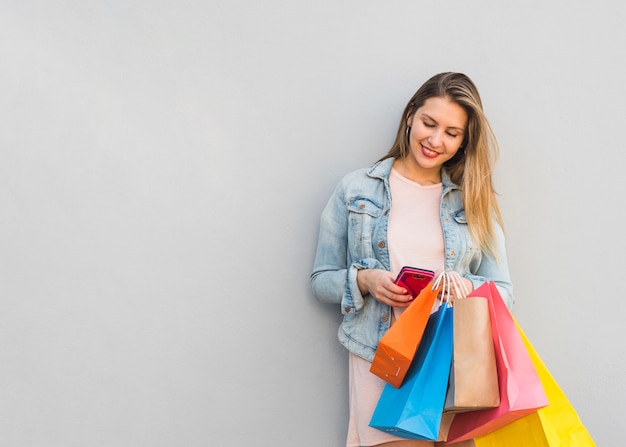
(472, 166)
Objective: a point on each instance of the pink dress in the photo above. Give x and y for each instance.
(415, 238)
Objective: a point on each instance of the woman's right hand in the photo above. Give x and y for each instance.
(380, 284)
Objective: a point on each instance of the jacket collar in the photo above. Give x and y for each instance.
(382, 169)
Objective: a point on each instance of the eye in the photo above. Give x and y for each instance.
(452, 134)
(428, 124)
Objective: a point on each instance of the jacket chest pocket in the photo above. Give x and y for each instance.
(363, 215)
(467, 248)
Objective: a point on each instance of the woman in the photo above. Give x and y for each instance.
(428, 203)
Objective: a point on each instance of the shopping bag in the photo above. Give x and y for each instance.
(414, 410)
(397, 348)
(473, 376)
(521, 391)
(553, 426)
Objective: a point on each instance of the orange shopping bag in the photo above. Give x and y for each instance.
(397, 347)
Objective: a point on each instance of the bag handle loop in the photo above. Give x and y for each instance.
(447, 281)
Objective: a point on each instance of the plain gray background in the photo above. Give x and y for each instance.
(163, 167)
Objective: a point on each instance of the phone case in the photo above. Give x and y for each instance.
(414, 279)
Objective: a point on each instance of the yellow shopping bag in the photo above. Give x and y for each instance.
(556, 425)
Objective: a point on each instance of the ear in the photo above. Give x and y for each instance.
(409, 120)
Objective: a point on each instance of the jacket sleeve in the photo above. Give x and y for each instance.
(496, 269)
(332, 279)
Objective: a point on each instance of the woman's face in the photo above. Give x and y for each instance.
(437, 132)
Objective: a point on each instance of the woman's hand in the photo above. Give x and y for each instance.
(380, 284)
(452, 293)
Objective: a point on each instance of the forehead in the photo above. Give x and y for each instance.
(445, 112)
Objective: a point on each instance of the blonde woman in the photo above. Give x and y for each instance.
(428, 203)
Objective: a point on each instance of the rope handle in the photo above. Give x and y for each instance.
(449, 280)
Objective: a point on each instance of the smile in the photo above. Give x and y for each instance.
(429, 152)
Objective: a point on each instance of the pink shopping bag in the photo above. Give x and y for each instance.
(521, 391)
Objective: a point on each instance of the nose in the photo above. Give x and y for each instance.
(435, 138)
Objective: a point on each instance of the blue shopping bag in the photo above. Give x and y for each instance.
(414, 410)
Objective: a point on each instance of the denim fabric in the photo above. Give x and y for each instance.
(353, 236)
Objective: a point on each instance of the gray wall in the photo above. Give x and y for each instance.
(163, 166)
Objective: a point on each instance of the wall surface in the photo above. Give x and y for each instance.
(163, 166)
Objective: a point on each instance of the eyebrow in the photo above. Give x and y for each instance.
(451, 127)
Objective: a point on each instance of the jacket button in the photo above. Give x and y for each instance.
(347, 309)
(384, 318)
(386, 212)
(381, 244)
(452, 253)
(362, 206)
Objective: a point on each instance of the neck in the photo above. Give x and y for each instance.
(418, 174)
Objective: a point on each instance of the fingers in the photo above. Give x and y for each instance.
(380, 284)
(396, 289)
(395, 296)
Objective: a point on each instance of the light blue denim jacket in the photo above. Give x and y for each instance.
(353, 236)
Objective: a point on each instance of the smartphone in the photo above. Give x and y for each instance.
(414, 279)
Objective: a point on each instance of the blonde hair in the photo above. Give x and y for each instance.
(472, 166)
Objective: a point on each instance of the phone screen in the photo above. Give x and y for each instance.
(414, 279)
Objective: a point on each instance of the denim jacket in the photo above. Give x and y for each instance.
(353, 236)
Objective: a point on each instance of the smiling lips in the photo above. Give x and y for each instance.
(429, 152)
